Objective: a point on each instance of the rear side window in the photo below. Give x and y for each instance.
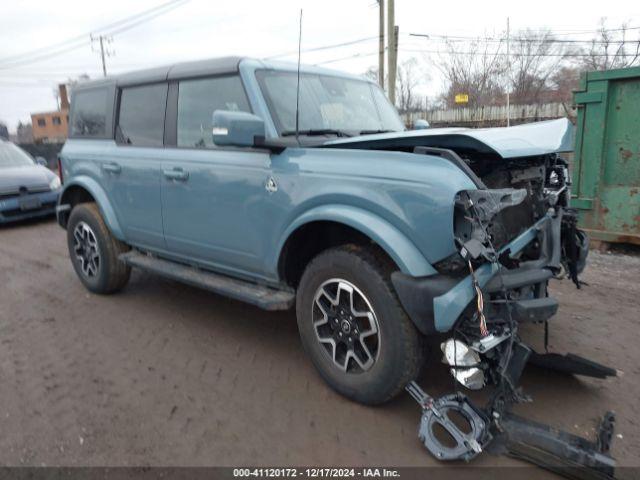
(198, 99)
(89, 117)
(141, 116)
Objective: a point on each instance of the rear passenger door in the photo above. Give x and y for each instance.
(133, 173)
(210, 194)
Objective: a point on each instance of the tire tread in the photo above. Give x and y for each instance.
(118, 272)
(376, 259)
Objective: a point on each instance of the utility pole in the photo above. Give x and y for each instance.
(381, 46)
(104, 64)
(392, 53)
(104, 51)
(508, 77)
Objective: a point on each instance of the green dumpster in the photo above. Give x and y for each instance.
(606, 169)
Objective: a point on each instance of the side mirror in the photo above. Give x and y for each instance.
(238, 129)
(421, 124)
(42, 161)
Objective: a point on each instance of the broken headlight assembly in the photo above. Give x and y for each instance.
(464, 362)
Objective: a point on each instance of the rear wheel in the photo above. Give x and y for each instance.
(353, 326)
(94, 251)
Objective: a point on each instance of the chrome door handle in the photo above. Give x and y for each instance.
(111, 167)
(176, 174)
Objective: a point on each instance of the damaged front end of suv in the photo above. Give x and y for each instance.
(513, 233)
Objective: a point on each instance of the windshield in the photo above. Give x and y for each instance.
(327, 103)
(12, 156)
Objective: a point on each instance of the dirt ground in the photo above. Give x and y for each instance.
(165, 374)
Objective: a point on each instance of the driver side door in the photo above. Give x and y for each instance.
(209, 192)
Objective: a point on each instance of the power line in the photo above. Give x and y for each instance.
(600, 30)
(44, 55)
(67, 69)
(349, 57)
(83, 38)
(80, 41)
(453, 52)
(496, 53)
(560, 32)
(171, 6)
(130, 22)
(544, 38)
(460, 38)
(325, 47)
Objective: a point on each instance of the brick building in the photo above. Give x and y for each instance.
(52, 127)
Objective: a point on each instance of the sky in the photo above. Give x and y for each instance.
(201, 29)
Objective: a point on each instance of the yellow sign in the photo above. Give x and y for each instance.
(462, 98)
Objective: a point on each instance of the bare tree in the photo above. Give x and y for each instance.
(536, 56)
(562, 83)
(611, 48)
(56, 95)
(476, 72)
(372, 74)
(4, 131)
(24, 133)
(409, 76)
(71, 83)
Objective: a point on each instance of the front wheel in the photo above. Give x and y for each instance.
(353, 327)
(94, 251)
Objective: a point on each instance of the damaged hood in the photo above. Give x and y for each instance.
(539, 138)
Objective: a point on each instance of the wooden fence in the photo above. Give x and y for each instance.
(491, 116)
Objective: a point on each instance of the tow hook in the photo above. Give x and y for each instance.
(504, 433)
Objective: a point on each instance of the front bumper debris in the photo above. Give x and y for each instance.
(504, 287)
(495, 429)
(562, 452)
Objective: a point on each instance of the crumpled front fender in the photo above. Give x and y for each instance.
(435, 303)
(403, 252)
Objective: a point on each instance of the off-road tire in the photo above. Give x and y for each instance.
(401, 348)
(112, 274)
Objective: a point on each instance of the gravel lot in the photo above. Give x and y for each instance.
(165, 374)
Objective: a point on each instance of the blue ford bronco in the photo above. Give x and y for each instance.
(303, 190)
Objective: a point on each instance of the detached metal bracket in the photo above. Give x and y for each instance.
(437, 413)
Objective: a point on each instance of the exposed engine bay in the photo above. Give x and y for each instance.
(485, 349)
(513, 234)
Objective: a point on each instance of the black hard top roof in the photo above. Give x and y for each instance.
(199, 68)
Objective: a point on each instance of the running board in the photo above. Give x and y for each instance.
(259, 295)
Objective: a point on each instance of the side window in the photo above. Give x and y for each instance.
(198, 99)
(141, 117)
(89, 116)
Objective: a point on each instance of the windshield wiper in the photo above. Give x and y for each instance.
(316, 131)
(371, 132)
